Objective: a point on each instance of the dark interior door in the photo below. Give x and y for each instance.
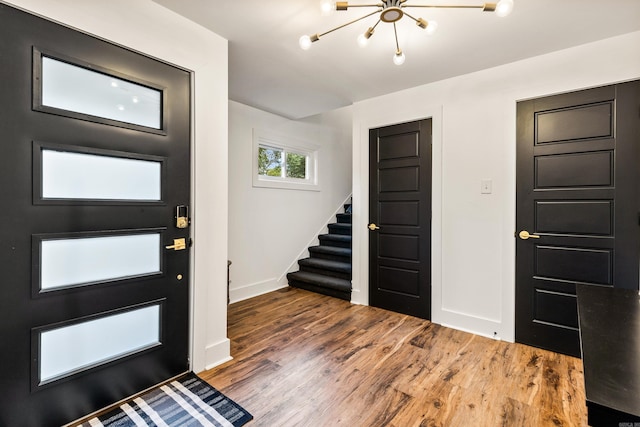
(400, 215)
(578, 196)
(94, 159)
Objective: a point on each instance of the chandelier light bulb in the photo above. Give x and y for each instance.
(399, 58)
(504, 8)
(305, 42)
(363, 41)
(432, 26)
(327, 7)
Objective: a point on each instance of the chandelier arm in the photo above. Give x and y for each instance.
(348, 23)
(442, 6)
(395, 31)
(363, 5)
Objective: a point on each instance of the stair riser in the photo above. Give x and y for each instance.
(330, 257)
(343, 218)
(339, 275)
(324, 291)
(334, 229)
(334, 243)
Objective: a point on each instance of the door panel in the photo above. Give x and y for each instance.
(577, 192)
(400, 205)
(575, 123)
(94, 308)
(70, 348)
(567, 170)
(63, 261)
(70, 88)
(103, 177)
(593, 217)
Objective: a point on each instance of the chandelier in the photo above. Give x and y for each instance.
(392, 11)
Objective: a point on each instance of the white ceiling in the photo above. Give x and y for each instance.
(268, 70)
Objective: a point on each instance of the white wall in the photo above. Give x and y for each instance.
(474, 139)
(149, 28)
(270, 228)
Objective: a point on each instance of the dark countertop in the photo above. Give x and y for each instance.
(610, 337)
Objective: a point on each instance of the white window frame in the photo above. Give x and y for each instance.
(286, 144)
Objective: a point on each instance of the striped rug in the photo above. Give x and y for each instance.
(188, 401)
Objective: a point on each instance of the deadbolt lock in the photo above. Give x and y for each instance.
(373, 227)
(182, 216)
(178, 244)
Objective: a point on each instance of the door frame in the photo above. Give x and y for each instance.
(360, 215)
(209, 344)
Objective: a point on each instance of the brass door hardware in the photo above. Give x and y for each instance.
(182, 216)
(524, 235)
(373, 227)
(178, 244)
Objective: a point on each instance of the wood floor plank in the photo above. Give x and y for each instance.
(303, 359)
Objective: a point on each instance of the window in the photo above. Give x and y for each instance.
(74, 88)
(281, 162)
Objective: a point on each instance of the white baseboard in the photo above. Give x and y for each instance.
(217, 354)
(473, 324)
(255, 289)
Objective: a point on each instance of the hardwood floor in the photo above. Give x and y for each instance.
(303, 359)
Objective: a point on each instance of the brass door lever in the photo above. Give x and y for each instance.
(178, 244)
(524, 235)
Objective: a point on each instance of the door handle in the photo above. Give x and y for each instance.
(524, 235)
(373, 227)
(178, 244)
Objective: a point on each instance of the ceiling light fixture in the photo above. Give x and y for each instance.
(392, 11)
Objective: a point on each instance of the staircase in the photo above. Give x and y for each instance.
(327, 271)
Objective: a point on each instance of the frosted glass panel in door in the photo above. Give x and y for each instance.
(83, 345)
(80, 176)
(72, 88)
(72, 262)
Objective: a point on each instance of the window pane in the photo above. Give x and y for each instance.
(68, 175)
(84, 345)
(296, 165)
(269, 161)
(72, 262)
(72, 88)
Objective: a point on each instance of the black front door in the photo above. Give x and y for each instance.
(578, 157)
(400, 216)
(94, 160)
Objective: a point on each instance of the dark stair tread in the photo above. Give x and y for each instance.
(335, 237)
(326, 264)
(335, 283)
(331, 250)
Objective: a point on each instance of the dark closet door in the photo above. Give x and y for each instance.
(94, 159)
(578, 199)
(400, 215)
